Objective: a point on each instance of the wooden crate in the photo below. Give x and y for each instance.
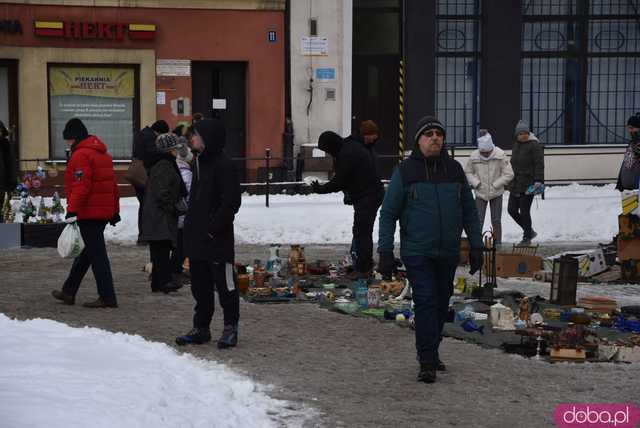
(628, 227)
(464, 251)
(568, 354)
(517, 265)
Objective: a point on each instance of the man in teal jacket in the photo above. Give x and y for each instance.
(431, 198)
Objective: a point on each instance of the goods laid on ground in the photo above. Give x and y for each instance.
(531, 326)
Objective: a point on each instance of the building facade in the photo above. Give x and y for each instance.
(122, 68)
(571, 68)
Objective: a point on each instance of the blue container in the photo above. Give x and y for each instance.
(362, 298)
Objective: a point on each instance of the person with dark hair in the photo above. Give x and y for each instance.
(527, 161)
(208, 235)
(144, 147)
(431, 198)
(197, 117)
(92, 201)
(178, 130)
(629, 173)
(357, 176)
(8, 163)
(160, 211)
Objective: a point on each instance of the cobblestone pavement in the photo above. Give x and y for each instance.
(354, 371)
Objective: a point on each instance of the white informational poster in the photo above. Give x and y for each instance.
(173, 67)
(161, 98)
(219, 103)
(315, 46)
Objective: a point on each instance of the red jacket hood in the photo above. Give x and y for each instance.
(92, 142)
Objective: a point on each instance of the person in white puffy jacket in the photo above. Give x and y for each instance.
(488, 171)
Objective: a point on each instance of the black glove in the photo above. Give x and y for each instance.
(475, 260)
(115, 220)
(70, 217)
(315, 186)
(386, 264)
(347, 199)
(70, 214)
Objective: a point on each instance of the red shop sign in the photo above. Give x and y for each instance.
(94, 30)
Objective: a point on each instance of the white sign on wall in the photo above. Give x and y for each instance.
(315, 46)
(173, 67)
(161, 98)
(219, 104)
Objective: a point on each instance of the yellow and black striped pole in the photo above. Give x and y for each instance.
(401, 111)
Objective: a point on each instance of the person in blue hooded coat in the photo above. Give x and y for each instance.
(208, 234)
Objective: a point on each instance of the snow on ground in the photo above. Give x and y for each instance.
(568, 213)
(623, 294)
(54, 375)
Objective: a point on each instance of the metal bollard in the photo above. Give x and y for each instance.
(267, 160)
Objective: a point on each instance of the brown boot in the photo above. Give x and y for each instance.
(99, 303)
(65, 298)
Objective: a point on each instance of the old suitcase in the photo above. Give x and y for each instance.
(629, 249)
(629, 227)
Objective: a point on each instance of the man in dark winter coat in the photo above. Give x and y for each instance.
(159, 224)
(208, 235)
(357, 176)
(629, 174)
(144, 149)
(431, 198)
(92, 201)
(527, 162)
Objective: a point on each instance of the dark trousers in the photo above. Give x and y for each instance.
(94, 255)
(365, 211)
(520, 211)
(206, 277)
(160, 257)
(177, 255)
(431, 286)
(140, 196)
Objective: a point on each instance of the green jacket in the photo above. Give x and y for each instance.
(527, 161)
(433, 202)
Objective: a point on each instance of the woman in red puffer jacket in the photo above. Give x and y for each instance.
(92, 200)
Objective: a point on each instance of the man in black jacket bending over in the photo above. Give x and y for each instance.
(356, 175)
(208, 235)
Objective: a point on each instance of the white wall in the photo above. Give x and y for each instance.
(592, 164)
(334, 22)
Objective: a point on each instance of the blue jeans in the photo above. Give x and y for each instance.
(431, 286)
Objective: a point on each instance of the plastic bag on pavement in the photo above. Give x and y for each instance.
(70, 243)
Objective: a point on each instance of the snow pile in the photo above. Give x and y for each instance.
(569, 213)
(57, 376)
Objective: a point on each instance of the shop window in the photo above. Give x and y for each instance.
(103, 97)
(457, 75)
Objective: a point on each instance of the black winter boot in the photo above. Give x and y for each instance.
(101, 303)
(229, 336)
(427, 372)
(65, 298)
(197, 336)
